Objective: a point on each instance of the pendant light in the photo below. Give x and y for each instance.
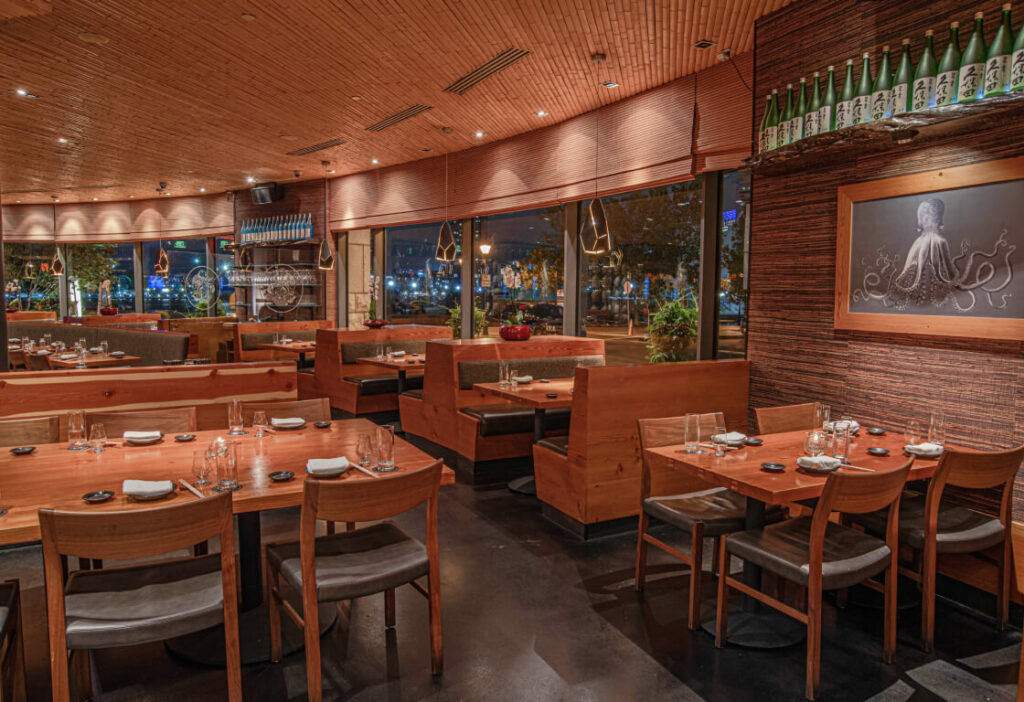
(162, 267)
(595, 237)
(57, 264)
(445, 238)
(327, 259)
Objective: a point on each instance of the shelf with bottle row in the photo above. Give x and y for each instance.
(883, 134)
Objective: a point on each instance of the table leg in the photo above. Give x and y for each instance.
(526, 485)
(302, 360)
(250, 572)
(753, 519)
(401, 381)
(538, 425)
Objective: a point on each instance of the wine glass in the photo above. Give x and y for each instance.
(259, 422)
(98, 437)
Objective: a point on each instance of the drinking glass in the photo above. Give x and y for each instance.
(380, 352)
(912, 433)
(502, 374)
(235, 419)
(200, 469)
(364, 450)
(227, 466)
(841, 441)
(824, 412)
(76, 431)
(59, 346)
(816, 443)
(719, 439)
(47, 338)
(82, 343)
(28, 345)
(387, 352)
(385, 449)
(24, 341)
(691, 434)
(512, 375)
(259, 423)
(98, 437)
(937, 428)
(82, 354)
(104, 346)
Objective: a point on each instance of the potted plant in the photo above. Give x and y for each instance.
(672, 331)
(455, 322)
(373, 322)
(514, 328)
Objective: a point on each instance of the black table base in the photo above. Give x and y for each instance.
(764, 628)
(527, 485)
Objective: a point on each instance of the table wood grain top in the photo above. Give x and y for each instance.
(94, 360)
(305, 347)
(533, 394)
(405, 363)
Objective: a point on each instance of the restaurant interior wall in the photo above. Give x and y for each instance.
(796, 353)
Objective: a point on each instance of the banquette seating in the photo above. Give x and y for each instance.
(359, 389)
(593, 474)
(249, 335)
(153, 347)
(480, 427)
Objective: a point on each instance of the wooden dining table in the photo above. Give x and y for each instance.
(94, 360)
(741, 471)
(299, 348)
(402, 365)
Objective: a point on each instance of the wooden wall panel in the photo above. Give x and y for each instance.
(796, 354)
(724, 116)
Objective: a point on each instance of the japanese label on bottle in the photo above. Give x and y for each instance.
(945, 88)
(970, 81)
(881, 104)
(860, 109)
(1017, 70)
(783, 135)
(771, 135)
(844, 114)
(811, 123)
(824, 119)
(996, 71)
(899, 99)
(796, 129)
(923, 96)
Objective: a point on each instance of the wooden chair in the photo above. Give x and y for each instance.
(1018, 561)
(102, 621)
(33, 430)
(775, 420)
(12, 647)
(342, 566)
(170, 421)
(930, 528)
(316, 410)
(821, 555)
(710, 512)
(16, 359)
(35, 362)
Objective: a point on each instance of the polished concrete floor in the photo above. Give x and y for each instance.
(530, 613)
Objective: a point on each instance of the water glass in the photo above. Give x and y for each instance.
(227, 465)
(98, 437)
(841, 441)
(691, 434)
(719, 439)
(385, 449)
(47, 338)
(28, 345)
(364, 450)
(76, 431)
(235, 419)
(82, 344)
(259, 423)
(823, 413)
(512, 375)
(387, 352)
(937, 428)
(912, 433)
(502, 374)
(200, 469)
(104, 346)
(380, 352)
(816, 443)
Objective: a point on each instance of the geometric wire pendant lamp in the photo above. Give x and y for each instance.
(162, 267)
(58, 263)
(445, 238)
(595, 238)
(326, 259)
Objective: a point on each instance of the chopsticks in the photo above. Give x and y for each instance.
(186, 484)
(368, 472)
(869, 470)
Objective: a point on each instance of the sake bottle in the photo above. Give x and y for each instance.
(949, 69)
(844, 110)
(827, 113)
(762, 130)
(813, 108)
(881, 96)
(972, 66)
(997, 65)
(923, 94)
(902, 81)
(796, 126)
(862, 102)
(1017, 62)
(776, 118)
(787, 117)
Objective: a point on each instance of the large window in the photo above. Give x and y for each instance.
(170, 295)
(224, 263)
(417, 287)
(519, 269)
(92, 269)
(733, 233)
(29, 283)
(642, 297)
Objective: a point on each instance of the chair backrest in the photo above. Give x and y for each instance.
(370, 500)
(317, 409)
(35, 430)
(169, 421)
(33, 361)
(775, 420)
(666, 431)
(1018, 554)
(973, 471)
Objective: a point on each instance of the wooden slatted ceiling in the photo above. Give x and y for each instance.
(195, 95)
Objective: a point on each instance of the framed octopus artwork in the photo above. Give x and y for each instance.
(936, 253)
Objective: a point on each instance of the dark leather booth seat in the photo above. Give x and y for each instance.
(416, 393)
(559, 444)
(496, 420)
(384, 384)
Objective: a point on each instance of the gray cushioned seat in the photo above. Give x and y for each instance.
(472, 372)
(374, 384)
(722, 510)
(960, 530)
(415, 393)
(850, 556)
(7, 604)
(558, 444)
(356, 563)
(512, 418)
(144, 603)
(153, 347)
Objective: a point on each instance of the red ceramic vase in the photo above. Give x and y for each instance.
(376, 323)
(515, 332)
(13, 309)
(108, 311)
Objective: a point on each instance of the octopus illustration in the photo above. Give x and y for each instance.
(931, 275)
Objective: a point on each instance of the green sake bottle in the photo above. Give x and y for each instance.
(787, 117)
(881, 95)
(971, 83)
(901, 83)
(997, 64)
(949, 69)
(1017, 62)
(862, 102)
(775, 121)
(762, 130)
(923, 93)
(844, 110)
(813, 108)
(827, 113)
(796, 126)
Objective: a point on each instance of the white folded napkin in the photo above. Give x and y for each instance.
(285, 341)
(732, 437)
(96, 349)
(68, 356)
(43, 352)
(287, 422)
(326, 465)
(522, 378)
(146, 488)
(142, 435)
(818, 462)
(854, 426)
(926, 448)
(397, 354)
(117, 353)
(12, 347)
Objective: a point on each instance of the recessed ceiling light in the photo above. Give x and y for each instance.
(425, 150)
(330, 170)
(17, 202)
(95, 199)
(202, 190)
(479, 134)
(289, 137)
(357, 97)
(90, 38)
(56, 199)
(704, 44)
(62, 140)
(610, 84)
(542, 113)
(248, 17)
(374, 161)
(250, 179)
(131, 196)
(21, 92)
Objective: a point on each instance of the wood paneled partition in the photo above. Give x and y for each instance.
(796, 354)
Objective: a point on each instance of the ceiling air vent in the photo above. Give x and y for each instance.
(398, 117)
(316, 147)
(485, 70)
(64, 187)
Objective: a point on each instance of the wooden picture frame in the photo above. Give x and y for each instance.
(850, 303)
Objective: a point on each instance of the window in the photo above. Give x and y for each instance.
(170, 295)
(519, 267)
(642, 297)
(417, 287)
(733, 234)
(224, 263)
(29, 283)
(89, 267)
